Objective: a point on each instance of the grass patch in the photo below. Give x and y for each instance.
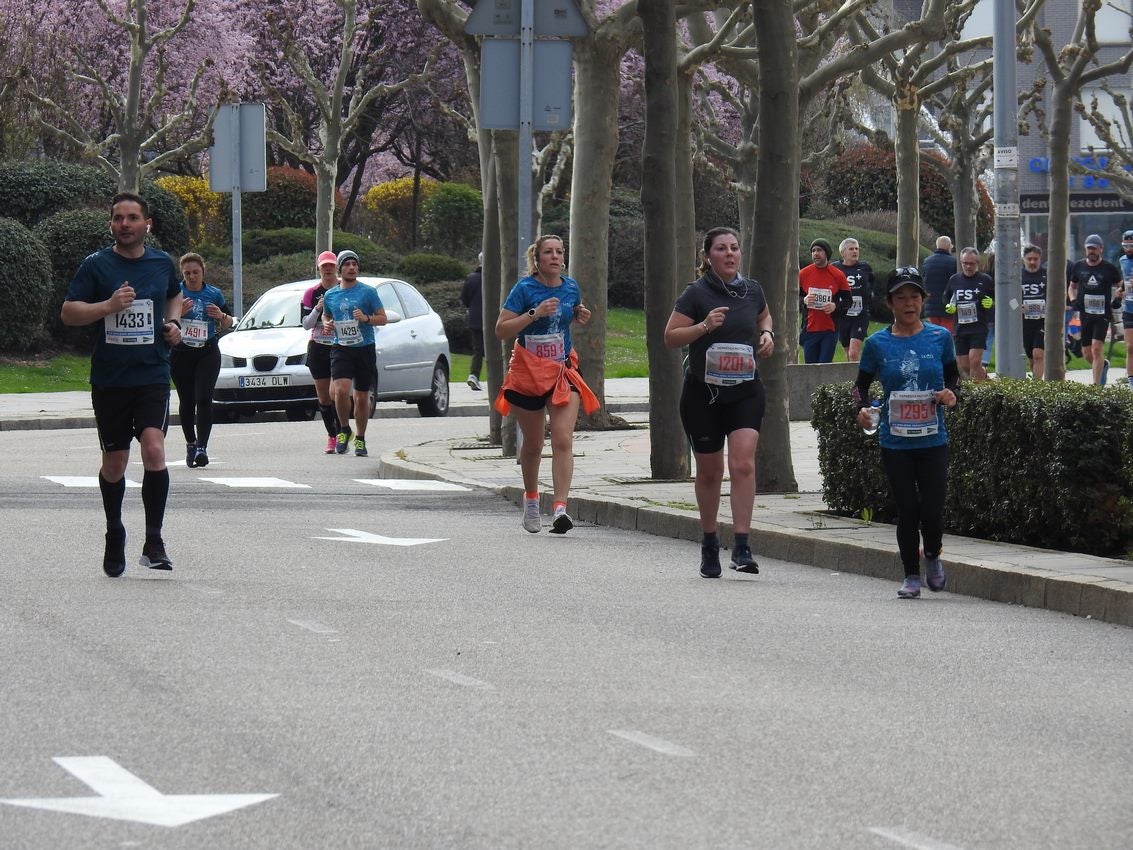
(58, 373)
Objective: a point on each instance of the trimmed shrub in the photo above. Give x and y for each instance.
(1019, 480)
(452, 219)
(201, 205)
(429, 268)
(391, 204)
(30, 191)
(444, 297)
(288, 201)
(260, 245)
(69, 237)
(25, 286)
(170, 226)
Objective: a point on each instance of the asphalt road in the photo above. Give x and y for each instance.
(495, 689)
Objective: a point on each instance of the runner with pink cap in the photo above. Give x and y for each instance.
(319, 346)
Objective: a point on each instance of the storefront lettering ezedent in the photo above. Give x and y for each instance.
(1108, 202)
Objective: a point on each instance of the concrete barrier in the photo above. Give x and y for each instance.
(802, 378)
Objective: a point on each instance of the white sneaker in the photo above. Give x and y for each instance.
(561, 523)
(531, 515)
(474, 382)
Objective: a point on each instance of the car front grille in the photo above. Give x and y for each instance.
(264, 363)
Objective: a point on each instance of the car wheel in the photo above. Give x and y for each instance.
(437, 402)
(300, 414)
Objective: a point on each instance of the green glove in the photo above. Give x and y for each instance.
(949, 308)
(987, 302)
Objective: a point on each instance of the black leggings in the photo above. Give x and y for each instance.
(194, 373)
(918, 480)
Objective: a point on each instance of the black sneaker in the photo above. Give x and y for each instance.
(153, 555)
(114, 555)
(742, 561)
(710, 561)
(190, 454)
(202, 457)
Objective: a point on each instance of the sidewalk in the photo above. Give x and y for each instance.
(612, 487)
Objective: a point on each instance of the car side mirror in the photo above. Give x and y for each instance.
(392, 316)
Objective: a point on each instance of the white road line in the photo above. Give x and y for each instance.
(81, 480)
(461, 679)
(257, 482)
(409, 484)
(908, 838)
(658, 744)
(314, 626)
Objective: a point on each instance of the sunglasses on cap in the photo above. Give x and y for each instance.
(907, 271)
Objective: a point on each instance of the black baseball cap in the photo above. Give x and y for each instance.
(906, 276)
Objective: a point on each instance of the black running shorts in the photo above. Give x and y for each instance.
(356, 362)
(708, 420)
(318, 360)
(122, 413)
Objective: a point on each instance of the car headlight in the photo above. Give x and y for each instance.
(297, 359)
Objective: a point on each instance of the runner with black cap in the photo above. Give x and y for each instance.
(1094, 291)
(916, 365)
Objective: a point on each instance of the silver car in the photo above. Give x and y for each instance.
(263, 361)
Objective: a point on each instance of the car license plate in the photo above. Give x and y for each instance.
(251, 381)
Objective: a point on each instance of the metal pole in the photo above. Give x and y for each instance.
(237, 222)
(526, 109)
(1010, 361)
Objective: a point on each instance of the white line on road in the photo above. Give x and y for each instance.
(461, 679)
(908, 838)
(314, 626)
(82, 480)
(658, 744)
(257, 482)
(409, 484)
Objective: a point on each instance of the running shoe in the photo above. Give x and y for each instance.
(114, 555)
(342, 442)
(742, 561)
(190, 454)
(1105, 371)
(910, 587)
(933, 573)
(531, 515)
(153, 555)
(474, 382)
(331, 441)
(562, 523)
(710, 561)
(202, 458)
(360, 447)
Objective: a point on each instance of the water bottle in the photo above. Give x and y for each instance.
(874, 418)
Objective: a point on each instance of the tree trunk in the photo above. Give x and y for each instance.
(668, 457)
(325, 174)
(491, 286)
(908, 158)
(505, 151)
(964, 204)
(776, 226)
(1061, 110)
(686, 241)
(597, 68)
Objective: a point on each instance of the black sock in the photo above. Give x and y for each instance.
(112, 495)
(330, 419)
(710, 539)
(155, 491)
(741, 540)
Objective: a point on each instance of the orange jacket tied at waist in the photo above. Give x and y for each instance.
(528, 374)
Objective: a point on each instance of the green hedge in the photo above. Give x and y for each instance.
(444, 297)
(452, 219)
(1034, 463)
(429, 268)
(69, 237)
(25, 287)
(260, 245)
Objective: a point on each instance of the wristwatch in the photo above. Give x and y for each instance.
(531, 312)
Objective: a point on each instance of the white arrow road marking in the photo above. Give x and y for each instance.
(257, 482)
(461, 679)
(122, 796)
(411, 484)
(82, 480)
(355, 536)
(658, 744)
(314, 626)
(908, 838)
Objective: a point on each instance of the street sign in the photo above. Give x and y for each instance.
(238, 157)
(499, 85)
(553, 19)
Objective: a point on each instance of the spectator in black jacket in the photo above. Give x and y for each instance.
(470, 298)
(938, 267)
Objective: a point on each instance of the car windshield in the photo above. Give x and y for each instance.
(273, 310)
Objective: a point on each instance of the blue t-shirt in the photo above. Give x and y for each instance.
(550, 335)
(1126, 263)
(119, 359)
(909, 364)
(201, 299)
(340, 303)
